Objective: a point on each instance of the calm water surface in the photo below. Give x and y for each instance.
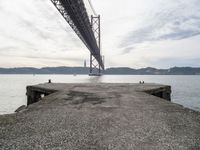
(185, 89)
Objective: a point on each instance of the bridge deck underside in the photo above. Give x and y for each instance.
(75, 14)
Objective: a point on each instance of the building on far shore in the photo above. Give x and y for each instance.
(85, 63)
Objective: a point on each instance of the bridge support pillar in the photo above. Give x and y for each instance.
(95, 68)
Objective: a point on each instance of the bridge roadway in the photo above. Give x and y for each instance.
(101, 116)
(74, 12)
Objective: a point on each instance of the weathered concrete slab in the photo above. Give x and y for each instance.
(101, 116)
(34, 92)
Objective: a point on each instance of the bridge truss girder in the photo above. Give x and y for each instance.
(95, 68)
(74, 12)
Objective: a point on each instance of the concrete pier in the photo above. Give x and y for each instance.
(101, 116)
(37, 92)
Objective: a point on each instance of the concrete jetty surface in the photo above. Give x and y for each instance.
(101, 116)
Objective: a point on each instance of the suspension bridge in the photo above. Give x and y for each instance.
(87, 28)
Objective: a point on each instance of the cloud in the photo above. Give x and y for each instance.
(180, 62)
(6, 49)
(134, 33)
(168, 23)
(35, 28)
(57, 58)
(128, 49)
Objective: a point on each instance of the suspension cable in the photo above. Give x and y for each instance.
(94, 12)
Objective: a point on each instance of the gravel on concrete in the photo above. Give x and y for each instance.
(101, 116)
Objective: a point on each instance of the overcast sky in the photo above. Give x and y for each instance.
(135, 33)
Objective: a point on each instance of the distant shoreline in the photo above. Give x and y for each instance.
(108, 71)
(105, 74)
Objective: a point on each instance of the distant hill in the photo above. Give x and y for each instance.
(154, 71)
(108, 71)
(46, 70)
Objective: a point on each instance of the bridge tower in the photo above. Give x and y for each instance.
(95, 68)
(75, 13)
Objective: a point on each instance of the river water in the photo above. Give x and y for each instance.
(185, 89)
